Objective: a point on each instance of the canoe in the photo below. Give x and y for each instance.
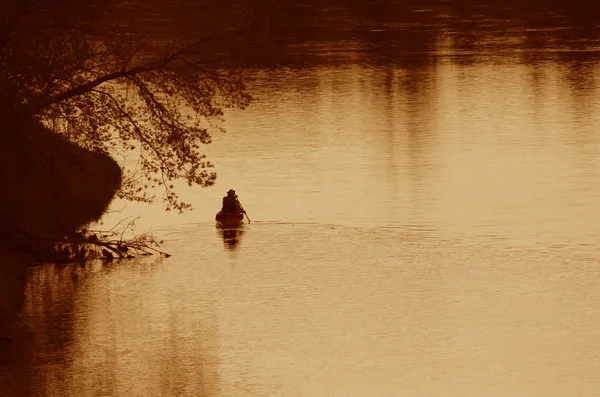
(229, 219)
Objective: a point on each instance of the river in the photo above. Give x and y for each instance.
(424, 209)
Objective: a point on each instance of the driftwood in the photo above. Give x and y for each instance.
(86, 245)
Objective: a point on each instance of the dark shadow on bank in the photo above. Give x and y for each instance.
(52, 187)
(231, 236)
(405, 28)
(277, 33)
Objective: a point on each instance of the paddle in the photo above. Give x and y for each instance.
(240, 204)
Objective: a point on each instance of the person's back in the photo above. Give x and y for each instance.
(230, 203)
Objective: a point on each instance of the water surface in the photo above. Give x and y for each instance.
(424, 223)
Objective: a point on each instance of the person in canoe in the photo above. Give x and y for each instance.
(231, 204)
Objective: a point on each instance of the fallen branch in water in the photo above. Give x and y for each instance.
(86, 245)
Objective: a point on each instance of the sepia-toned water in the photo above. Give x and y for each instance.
(424, 227)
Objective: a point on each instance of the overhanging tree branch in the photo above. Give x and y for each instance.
(151, 66)
(106, 90)
(135, 126)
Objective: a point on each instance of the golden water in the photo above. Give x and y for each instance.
(417, 231)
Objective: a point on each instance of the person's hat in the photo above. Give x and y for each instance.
(231, 191)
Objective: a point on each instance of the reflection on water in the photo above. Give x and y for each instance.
(92, 331)
(426, 191)
(315, 310)
(231, 236)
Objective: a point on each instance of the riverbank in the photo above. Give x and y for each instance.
(51, 188)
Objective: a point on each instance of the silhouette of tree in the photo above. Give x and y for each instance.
(109, 83)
